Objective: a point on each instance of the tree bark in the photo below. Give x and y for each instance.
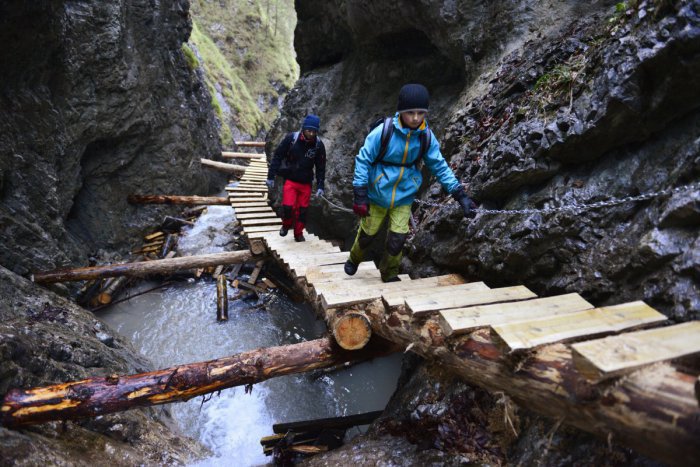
(158, 266)
(174, 199)
(653, 410)
(223, 166)
(99, 396)
(221, 299)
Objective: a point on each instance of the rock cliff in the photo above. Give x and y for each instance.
(537, 105)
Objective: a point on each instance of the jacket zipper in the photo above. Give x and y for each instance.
(377, 179)
(403, 161)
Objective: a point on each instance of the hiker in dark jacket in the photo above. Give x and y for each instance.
(385, 186)
(295, 159)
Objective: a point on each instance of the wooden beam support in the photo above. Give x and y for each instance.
(140, 269)
(223, 166)
(241, 155)
(99, 396)
(250, 144)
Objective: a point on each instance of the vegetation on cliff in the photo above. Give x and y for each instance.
(245, 50)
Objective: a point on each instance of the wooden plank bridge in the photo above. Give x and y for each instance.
(550, 354)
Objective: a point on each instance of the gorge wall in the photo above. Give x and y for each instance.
(96, 102)
(536, 105)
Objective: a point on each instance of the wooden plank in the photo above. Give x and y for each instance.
(237, 203)
(314, 277)
(342, 293)
(461, 320)
(617, 355)
(528, 334)
(247, 189)
(247, 194)
(257, 215)
(264, 208)
(241, 155)
(338, 268)
(250, 144)
(309, 247)
(253, 222)
(259, 231)
(444, 299)
(392, 300)
(248, 199)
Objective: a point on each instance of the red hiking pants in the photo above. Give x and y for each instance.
(295, 202)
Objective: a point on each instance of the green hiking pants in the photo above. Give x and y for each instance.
(398, 231)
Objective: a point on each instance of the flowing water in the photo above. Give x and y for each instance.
(177, 324)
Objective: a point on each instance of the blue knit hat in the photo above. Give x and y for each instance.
(311, 122)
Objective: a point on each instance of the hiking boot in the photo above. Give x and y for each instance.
(299, 238)
(350, 268)
(391, 279)
(283, 231)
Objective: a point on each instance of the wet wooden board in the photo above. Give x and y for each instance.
(392, 300)
(288, 239)
(258, 232)
(257, 215)
(247, 189)
(314, 277)
(247, 194)
(319, 271)
(617, 355)
(302, 249)
(247, 205)
(444, 299)
(461, 320)
(253, 222)
(528, 334)
(299, 267)
(241, 201)
(349, 293)
(264, 208)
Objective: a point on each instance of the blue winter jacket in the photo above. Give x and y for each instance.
(389, 185)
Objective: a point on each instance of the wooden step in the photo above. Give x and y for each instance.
(314, 277)
(264, 208)
(257, 222)
(300, 267)
(528, 334)
(618, 355)
(394, 300)
(444, 299)
(309, 247)
(461, 320)
(257, 215)
(241, 155)
(320, 271)
(259, 231)
(352, 292)
(247, 189)
(250, 144)
(247, 194)
(247, 200)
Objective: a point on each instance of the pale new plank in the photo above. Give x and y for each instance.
(345, 293)
(317, 278)
(264, 208)
(616, 355)
(247, 200)
(257, 232)
(338, 268)
(246, 205)
(246, 194)
(443, 300)
(460, 320)
(528, 334)
(257, 215)
(252, 222)
(246, 189)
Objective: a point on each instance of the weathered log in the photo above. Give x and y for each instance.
(112, 289)
(221, 299)
(241, 155)
(99, 396)
(251, 144)
(195, 211)
(653, 410)
(145, 268)
(171, 223)
(326, 423)
(351, 329)
(223, 166)
(173, 199)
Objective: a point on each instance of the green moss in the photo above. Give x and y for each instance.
(190, 57)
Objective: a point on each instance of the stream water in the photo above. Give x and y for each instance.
(177, 324)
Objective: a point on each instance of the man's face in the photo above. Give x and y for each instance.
(413, 118)
(309, 135)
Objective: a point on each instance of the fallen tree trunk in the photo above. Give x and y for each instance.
(145, 268)
(99, 396)
(174, 199)
(223, 166)
(653, 410)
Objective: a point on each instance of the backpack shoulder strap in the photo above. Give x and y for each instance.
(387, 130)
(425, 139)
(295, 137)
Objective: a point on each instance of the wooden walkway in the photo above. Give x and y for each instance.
(556, 355)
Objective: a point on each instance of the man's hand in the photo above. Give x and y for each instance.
(468, 206)
(270, 184)
(320, 192)
(360, 204)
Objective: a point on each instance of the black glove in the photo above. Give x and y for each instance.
(360, 203)
(468, 206)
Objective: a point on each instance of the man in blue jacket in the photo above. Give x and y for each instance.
(386, 186)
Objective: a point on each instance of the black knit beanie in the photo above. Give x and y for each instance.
(413, 97)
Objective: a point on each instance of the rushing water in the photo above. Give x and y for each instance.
(177, 324)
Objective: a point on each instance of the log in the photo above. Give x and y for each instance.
(653, 410)
(221, 299)
(111, 290)
(250, 144)
(241, 155)
(351, 329)
(173, 199)
(140, 269)
(99, 396)
(174, 223)
(327, 423)
(169, 244)
(223, 166)
(196, 211)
